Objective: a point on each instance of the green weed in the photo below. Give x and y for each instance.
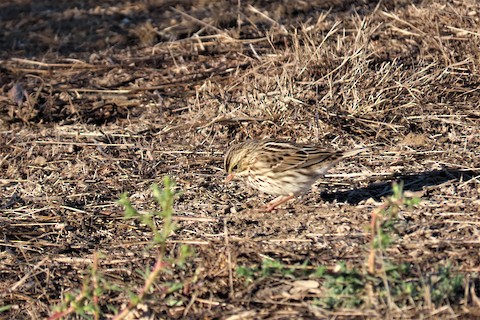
(383, 280)
(86, 302)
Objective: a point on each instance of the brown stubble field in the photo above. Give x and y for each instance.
(102, 98)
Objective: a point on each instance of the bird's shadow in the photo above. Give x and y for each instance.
(411, 182)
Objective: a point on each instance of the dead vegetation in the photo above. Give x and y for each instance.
(97, 99)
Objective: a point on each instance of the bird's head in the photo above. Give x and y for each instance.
(237, 160)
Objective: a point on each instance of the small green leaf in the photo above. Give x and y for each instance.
(5, 307)
(129, 210)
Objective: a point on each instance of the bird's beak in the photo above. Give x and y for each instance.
(229, 178)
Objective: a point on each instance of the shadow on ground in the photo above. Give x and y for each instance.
(412, 182)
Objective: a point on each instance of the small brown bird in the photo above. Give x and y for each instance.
(279, 168)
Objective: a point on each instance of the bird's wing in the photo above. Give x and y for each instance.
(286, 156)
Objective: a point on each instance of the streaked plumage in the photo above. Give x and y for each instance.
(281, 168)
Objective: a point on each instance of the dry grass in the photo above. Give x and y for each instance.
(97, 100)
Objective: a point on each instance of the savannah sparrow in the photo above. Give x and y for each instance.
(279, 168)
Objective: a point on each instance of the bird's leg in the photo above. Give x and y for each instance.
(277, 201)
